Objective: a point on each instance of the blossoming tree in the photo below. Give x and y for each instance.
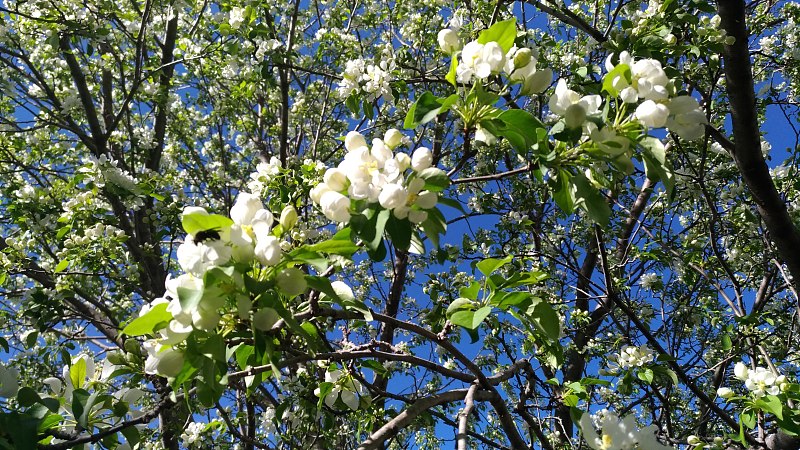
(418, 224)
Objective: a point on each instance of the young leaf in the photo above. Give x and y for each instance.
(469, 319)
(489, 265)
(192, 223)
(503, 33)
(590, 199)
(426, 108)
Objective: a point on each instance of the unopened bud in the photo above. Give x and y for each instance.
(288, 218)
(522, 58)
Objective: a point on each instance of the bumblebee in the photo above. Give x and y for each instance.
(206, 235)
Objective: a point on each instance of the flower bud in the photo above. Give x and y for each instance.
(392, 138)
(393, 195)
(740, 371)
(449, 41)
(522, 58)
(335, 179)
(652, 114)
(629, 95)
(354, 140)
(318, 191)
(189, 210)
(693, 440)
(335, 206)
(292, 281)
(725, 392)
(288, 218)
(268, 250)
(421, 159)
(403, 161)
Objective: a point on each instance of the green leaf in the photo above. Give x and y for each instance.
(434, 225)
(518, 127)
(155, 319)
(451, 75)
(656, 165)
(63, 231)
(645, 375)
(339, 244)
(243, 355)
(369, 227)
(214, 348)
(489, 265)
(192, 223)
(460, 304)
(399, 232)
(131, 435)
(77, 373)
(325, 388)
(504, 33)
(471, 291)
(426, 108)
(436, 179)
(27, 397)
(470, 320)
(304, 255)
(748, 418)
(452, 203)
(771, 404)
(323, 285)
(524, 279)
(546, 320)
(621, 70)
(727, 344)
(563, 193)
(504, 300)
(274, 302)
(50, 421)
(591, 200)
(20, 428)
(373, 365)
(62, 265)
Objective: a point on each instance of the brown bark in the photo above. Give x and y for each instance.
(747, 138)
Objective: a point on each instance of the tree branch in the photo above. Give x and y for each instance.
(747, 138)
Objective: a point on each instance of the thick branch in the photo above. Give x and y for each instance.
(747, 138)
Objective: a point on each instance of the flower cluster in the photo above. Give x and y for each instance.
(618, 434)
(648, 82)
(479, 61)
(371, 79)
(759, 381)
(246, 237)
(368, 176)
(572, 106)
(631, 356)
(342, 386)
